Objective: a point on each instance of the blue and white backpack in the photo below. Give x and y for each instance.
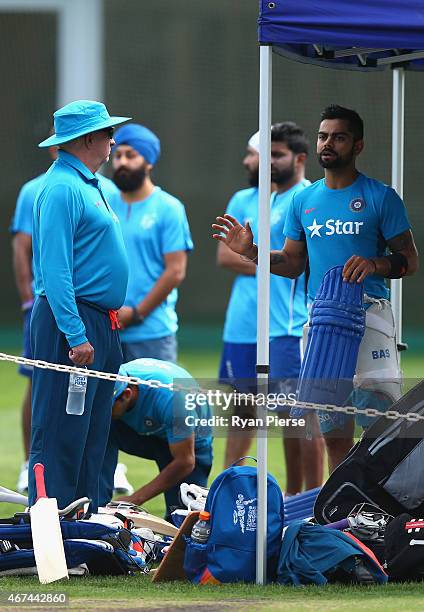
(230, 552)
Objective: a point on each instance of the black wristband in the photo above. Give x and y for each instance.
(398, 265)
(137, 318)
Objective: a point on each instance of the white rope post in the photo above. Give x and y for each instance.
(262, 354)
(398, 115)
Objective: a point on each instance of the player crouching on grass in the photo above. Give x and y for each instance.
(150, 422)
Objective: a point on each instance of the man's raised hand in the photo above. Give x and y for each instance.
(237, 237)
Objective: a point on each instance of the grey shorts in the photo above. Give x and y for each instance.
(158, 348)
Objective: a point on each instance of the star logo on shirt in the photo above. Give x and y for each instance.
(315, 229)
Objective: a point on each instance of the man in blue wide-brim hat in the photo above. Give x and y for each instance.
(80, 273)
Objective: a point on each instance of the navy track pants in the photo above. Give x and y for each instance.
(71, 447)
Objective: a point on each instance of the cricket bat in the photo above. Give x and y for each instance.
(140, 518)
(46, 533)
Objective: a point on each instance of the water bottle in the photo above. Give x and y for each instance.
(201, 530)
(76, 393)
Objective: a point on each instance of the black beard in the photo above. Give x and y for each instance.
(253, 177)
(336, 162)
(128, 181)
(279, 177)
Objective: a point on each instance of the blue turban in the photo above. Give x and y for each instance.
(141, 139)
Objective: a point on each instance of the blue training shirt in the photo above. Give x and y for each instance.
(339, 223)
(288, 311)
(162, 412)
(151, 228)
(22, 217)
(78, 248)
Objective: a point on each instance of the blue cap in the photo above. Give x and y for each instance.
(120, 386)
(79, 118)
(140, 138)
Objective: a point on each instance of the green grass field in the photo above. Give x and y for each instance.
(138, 592)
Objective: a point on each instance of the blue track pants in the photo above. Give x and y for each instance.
(70, 447)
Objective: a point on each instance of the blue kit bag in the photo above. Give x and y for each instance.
(337, 326)
(230, 552)
(106, 550)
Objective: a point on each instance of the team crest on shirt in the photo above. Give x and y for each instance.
(148, 221)
(357, 205)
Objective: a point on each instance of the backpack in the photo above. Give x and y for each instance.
(230, 552)
(384, 468)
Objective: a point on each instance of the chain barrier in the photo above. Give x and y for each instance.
(157, 384)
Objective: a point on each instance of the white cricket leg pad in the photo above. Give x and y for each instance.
(378, 367)
(304, 341)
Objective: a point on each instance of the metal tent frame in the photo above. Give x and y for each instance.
(354, 57)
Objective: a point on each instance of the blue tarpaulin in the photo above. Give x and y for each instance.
(353, 34)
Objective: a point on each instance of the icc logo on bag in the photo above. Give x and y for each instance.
(245, 513)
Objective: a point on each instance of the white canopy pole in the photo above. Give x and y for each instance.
(262, 355)
(397, 178)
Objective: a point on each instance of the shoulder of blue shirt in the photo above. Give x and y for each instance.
(375, 184)
(148, 368)
(24, 205)
(248, 192)
(30, 187)
(240, 199)
(162, 197)
(167, 198)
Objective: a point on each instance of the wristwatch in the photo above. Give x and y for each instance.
(137, 318)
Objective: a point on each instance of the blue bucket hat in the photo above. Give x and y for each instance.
(79, 118)
(120, 386)
(140, 138)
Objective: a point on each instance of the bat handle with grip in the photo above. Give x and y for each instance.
(342, 524)
(39, 480)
